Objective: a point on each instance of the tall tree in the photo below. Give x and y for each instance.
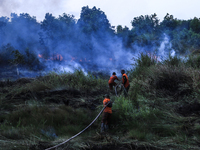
(169, 22)
(195, 25)
(146, 31)
(56, 32)
(185, 41)
(21, 31)
(145, 24)
(93, 20)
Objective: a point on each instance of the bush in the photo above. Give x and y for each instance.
(193, 61)
(173, 61)
(144, 61)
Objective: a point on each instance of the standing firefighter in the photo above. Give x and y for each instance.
(106, 113)
(125, 82)
(112, 82)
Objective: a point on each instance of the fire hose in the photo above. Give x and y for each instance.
(90, 123)
(80, 131)
(123, 88)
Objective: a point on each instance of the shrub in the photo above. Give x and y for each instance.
(193, 61)
(143, 62)
(173, 61)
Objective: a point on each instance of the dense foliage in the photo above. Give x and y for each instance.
(92, 35)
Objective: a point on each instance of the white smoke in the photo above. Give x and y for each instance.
(165, 49)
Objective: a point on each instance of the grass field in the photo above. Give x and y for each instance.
(161, 112)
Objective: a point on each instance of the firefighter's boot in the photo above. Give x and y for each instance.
(102, 127)
(106, 127)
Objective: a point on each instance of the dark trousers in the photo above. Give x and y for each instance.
(106, 118)
(111, 85)
(126, 92)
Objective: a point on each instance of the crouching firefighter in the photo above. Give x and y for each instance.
(111, 82)
(106, 113)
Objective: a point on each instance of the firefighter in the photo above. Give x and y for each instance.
(125, 82)
(106, 113)
(111, 82)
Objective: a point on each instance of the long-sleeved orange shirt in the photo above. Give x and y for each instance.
(107, 109)
(112, 79)
(127, 82)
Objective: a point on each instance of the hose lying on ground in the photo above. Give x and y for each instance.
(80, 131)
(90, 123)
(123, 88)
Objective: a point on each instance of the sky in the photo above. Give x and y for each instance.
(118, 12)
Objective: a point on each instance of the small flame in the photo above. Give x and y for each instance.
(54, 57)
(58, 57)
(39, 55)
(73, 58)
(154, 57)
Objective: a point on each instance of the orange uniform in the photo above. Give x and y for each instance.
(111, 82)
(106, 117)
(125, 80)
(112, 79)
(107, 109)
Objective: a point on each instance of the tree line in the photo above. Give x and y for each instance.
(92, 35)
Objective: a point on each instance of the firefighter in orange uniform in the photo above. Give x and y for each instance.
(111, 82)
(106, 113)
(125, 82)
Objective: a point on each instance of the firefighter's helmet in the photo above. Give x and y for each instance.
(122, 71)
(106, 96)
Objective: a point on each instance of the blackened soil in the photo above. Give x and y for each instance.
(44, 145)
(123, 147)
(70, 97)
(189, 109)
